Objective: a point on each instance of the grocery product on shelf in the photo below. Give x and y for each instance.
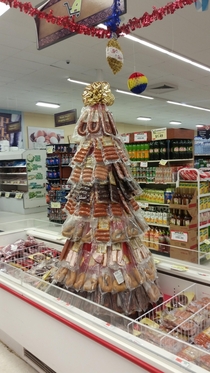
(104, 258)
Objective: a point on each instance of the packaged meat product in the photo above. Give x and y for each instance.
(204, 361)
(190, 353)
(203, 339)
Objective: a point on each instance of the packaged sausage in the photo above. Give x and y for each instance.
(102, 230)
(99, 253)
(107, 123)
(106, 281)
(68, 226)
(132, 229)
(73, 257)
(114, 194)
(75, 175)
(101, 173)
(102, 194)
(87, 234)
(85, 193)
(118, 230)
(152, 291)
(191, 354)
(203, 339)
(204, 361)
(82, 152)
(115, 255)
(109, 150)
(87, 175)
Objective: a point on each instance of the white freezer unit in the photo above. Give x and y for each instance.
(56, 331)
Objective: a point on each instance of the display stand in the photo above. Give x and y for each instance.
(22, 181)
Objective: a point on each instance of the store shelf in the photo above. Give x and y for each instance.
(204, 226)
(157, 183)
(205, 195)
(205, 210)
(201, 155)
(168, 160)
(50, 165)
(21, 166)
(158, 225)
(141, 203)
(13, 173)
(13, 184)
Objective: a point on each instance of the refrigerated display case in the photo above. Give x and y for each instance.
(55, 330)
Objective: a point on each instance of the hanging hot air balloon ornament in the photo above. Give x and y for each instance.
(114, 53)
(137, 83)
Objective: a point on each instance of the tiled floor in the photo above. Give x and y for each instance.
(9, 362)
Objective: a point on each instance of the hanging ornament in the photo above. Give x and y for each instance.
(137, 83)
(202, 5)
(114, 55)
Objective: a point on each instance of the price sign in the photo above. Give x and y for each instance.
(125, 138)
(49, 149)
(179, 236)
(159, 134)
(55, 205)
(143, 164)
(143, 204)
(7, 194)
(141, 136)
(18, 195)
(163, 162)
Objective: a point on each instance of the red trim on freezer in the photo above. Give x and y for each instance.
(149, 368)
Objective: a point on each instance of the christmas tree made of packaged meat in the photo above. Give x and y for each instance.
(104, 258)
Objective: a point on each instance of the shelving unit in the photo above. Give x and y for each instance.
(203, 222)
(23, 178)
(58, 163)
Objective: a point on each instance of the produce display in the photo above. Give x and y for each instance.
(104, 258)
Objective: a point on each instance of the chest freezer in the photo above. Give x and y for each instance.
(57, 331)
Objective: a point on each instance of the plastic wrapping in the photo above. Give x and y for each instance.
(109, 151)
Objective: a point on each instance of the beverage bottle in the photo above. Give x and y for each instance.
(156, 239)
(141, 152)
(173, 218)
(162, 241)
(138, 152)
(156, 150)
(135, 152)
(176, 149)
(146, 151)
(185, 155)
(180, 147)
(179, 218)
(175, 198)
(189, 149)
(186, 219)
(179, 196)
(132, 152)
(151, 150)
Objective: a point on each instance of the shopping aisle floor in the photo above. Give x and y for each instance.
(10, 363)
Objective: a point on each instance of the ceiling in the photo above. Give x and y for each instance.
(28, 75)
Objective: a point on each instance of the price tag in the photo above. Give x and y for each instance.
(125, 138)
(163, 162)
(49, 149)
(143, 204)
(208, 256)
(143, 164)
(179, 236)
(207, 241)
(182, 362)
(18, 195)
(141, 136)
(55, 205)
(179, 268)
(159, 134)
(119, 276)
(7, 194)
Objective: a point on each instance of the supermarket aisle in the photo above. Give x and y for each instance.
(10, 363)
(11, 217)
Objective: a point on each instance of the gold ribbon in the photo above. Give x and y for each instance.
(98, 93)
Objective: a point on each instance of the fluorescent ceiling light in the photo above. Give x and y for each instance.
(133, 94)
(77, 81)
(199, 125)
(3, 8)
(47, 104)
(162, 50)
(144, 118)
(175, 122)
(186, 105)
(165, 51)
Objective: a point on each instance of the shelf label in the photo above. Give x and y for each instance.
(143, 164)
(179, 236)
(49, 149)
(142, 136)
(159, 134)
(125, 138)
(7, 194)
(55, 205)
(18, 195)
(163, 162)
(143, 204)
(179, 268)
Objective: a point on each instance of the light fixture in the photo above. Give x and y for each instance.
(161, 50)
(144, 118)
(186, 105)
(133, 94)
(77, 81)
(3, 8)
(175, 122)
(199, 125)
(47, 104)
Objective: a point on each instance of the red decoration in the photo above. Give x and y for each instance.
(133, 24)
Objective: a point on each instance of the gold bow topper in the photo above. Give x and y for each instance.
(98, 93)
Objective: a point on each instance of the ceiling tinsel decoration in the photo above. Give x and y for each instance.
(68, 23)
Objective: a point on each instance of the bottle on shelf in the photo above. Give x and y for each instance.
(173, 217)
(189, 149)
(151, 150)
(179, 218)
(146, 151)
(156, 154)
(162, 146)
(186, 219)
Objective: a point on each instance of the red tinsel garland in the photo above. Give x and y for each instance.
(68, 23)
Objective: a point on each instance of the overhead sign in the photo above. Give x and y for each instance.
(87, 12)
(65, 118)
